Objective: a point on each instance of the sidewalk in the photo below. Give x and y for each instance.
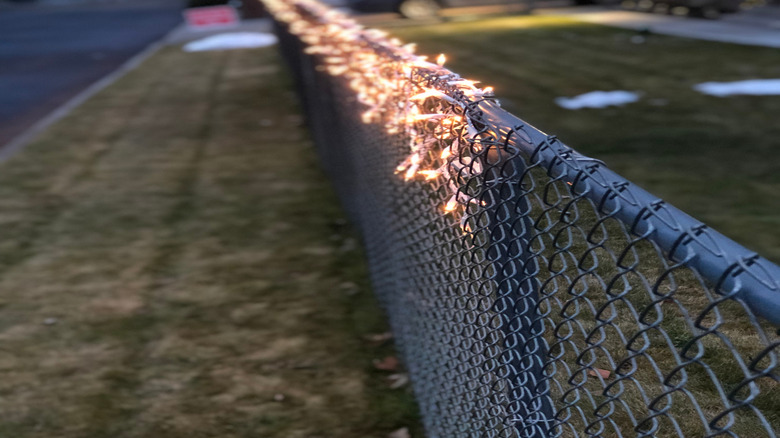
(757, 27)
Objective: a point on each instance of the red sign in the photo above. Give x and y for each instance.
(211, 17)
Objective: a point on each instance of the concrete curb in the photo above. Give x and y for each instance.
(19, 142)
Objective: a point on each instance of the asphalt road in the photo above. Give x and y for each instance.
(50, 53)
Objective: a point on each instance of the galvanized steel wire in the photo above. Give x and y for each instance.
(560, 299)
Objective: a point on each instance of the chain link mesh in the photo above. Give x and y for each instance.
(532, 291)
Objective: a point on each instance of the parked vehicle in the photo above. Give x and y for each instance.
(429, 8)
(695, 8)
(247, 9)
(705, 8)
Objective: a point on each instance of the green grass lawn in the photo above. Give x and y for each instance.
(174, 264)
(718, 159)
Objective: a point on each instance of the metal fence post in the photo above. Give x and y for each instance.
(517, 292)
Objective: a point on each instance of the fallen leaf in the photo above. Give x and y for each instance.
(400, 433)
(349, 288)
(349, 245)
(295, 120)
(595, 372)
(379, 338)
(398, 380)
(390, 363)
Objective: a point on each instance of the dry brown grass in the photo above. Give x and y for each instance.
(169, 265)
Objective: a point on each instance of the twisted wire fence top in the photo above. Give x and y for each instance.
(533, 291)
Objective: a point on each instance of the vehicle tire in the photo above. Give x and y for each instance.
(629, 5)
(417, 9)
(707, 12)
(645, 5)
(729, 6)
(662, 8)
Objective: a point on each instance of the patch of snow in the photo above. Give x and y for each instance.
(597, 99)
(233, 40)
(752, 87)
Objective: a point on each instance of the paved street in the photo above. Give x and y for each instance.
(756, 27)
(50, 53)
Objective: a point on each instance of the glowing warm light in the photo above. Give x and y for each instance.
(432, 92)
(400, 91)
(451, 205)
(418, 117)
(429, 174)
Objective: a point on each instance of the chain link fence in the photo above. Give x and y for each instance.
(533, 292)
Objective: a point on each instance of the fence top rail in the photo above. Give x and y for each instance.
(733, 270)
